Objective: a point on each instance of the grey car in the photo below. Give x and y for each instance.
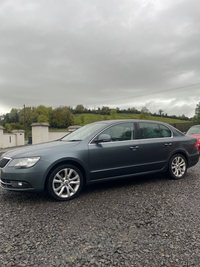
(95, 152)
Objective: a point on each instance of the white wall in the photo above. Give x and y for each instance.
(56, 135)
(16, 138)
(1, 136)
(19, 137)
(9, 140)
(41, 134)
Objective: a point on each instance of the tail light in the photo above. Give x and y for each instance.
(197, 144)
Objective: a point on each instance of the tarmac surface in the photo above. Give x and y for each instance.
(144, 221)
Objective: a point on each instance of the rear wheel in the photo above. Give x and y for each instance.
(65, 182)
(177, 166)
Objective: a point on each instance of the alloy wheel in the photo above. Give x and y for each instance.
(178, 166)
(65, 182)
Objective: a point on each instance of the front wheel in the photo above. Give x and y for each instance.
(65, 182)
(177, 166)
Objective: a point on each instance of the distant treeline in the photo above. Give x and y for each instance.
(63, 116)
(107, 111)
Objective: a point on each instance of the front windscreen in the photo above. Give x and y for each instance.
(194, 130)
(83, 132)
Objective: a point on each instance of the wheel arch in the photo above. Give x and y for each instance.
(182, 152)
(66, 161)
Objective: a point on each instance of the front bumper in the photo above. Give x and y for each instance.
(12, 185)
(30, 179)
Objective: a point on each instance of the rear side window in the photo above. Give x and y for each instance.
(149, 130)
(153, 130)
(165, 132)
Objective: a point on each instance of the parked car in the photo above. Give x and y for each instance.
(195, 132)
(99, 151)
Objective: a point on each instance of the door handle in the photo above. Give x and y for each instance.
(134, 147)
(168, 144)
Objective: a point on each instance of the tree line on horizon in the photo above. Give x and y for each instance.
(63, 116)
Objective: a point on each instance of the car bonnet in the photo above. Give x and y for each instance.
(38, 149)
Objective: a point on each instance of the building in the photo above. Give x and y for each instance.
(2, 117)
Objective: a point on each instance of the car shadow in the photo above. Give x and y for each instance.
(123, 182)
(100, 186)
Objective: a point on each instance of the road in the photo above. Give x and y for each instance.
(143, 221)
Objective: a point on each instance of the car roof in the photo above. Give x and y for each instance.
(198, 126)
(128, 120)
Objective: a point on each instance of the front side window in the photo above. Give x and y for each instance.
(120, 132)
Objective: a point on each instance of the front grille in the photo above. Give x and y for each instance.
(4, 162)
(5, 183)
(10, 184)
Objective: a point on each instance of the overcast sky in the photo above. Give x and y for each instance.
(116, 53)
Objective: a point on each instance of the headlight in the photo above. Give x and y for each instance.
(24, 162)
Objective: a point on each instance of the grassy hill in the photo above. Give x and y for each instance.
(82, 119)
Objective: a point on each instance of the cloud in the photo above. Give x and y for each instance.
(113, 53)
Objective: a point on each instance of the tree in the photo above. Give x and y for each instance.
(197, 113)
(183, 117)
(105, 111)
(61, 118)
(8, 127)
(160, 112)
(144, 113)
(42, 118)
(14, 115)
(113, 114)
(134, 110)
(79, 109)
(6, 118)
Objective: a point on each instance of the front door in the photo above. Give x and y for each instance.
(119, 157)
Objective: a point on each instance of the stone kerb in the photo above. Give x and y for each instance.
(40, 132)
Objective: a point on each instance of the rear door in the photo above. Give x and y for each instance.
(155, 145)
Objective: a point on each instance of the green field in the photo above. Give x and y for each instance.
(82, 119)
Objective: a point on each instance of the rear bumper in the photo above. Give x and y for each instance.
(193, 160)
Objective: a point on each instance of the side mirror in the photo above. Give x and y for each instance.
(103, 138)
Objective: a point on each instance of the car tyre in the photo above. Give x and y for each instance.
(65, 182)
(178, 166)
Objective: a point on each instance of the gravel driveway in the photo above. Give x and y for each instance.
(144, 221)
